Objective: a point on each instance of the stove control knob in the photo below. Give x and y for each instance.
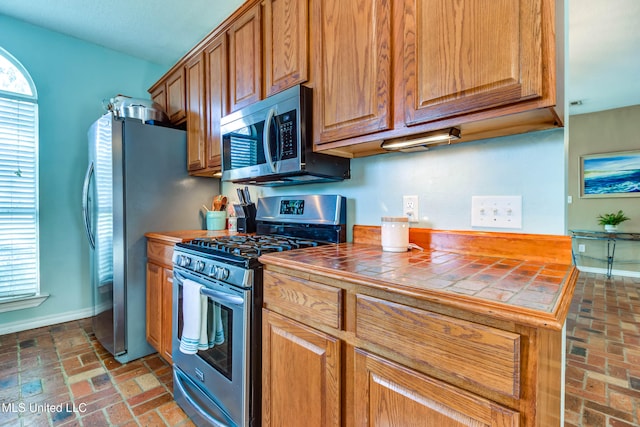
(219, 273)
(184, 261)
(199, 266)
(222, 273)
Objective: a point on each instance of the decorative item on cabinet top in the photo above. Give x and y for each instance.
(142, 109)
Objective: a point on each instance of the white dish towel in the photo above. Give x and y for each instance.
(216, 332)
(211, 329)
(192, 316)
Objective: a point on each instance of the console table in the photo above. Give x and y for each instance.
(610, 237)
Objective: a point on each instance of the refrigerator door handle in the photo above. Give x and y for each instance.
(86, 215)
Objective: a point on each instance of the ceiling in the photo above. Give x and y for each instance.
(161, 31)
(604, 37)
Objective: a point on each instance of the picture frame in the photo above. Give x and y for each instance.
(615, 174)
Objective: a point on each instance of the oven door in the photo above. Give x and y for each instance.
(212, 384)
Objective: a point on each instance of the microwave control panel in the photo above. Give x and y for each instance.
(288, 134)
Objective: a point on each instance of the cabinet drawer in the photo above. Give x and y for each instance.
(314, 301)
(476, 353)
(160, 253)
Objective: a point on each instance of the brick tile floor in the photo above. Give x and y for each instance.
(603, 353)
(61, 376)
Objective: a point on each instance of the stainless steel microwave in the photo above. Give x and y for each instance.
(270, 143)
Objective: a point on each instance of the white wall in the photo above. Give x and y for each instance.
(530, 165)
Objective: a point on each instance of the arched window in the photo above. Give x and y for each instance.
(19, 272)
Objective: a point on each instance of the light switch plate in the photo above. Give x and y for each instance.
(496, 211)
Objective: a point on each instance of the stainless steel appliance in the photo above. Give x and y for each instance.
(136, 182)
(220, 385)
(270, 143)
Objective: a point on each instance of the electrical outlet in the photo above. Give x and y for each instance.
(582, 248)
(496, 211)
(410, 208)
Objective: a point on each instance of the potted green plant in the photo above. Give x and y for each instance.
(611, 220)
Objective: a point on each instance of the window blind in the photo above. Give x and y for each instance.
(18, 198)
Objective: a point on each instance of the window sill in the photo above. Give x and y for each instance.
(20, 303)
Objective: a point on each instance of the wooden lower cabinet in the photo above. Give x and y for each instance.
(389, 394)
(340, 353)
(154, 301)
(301, 381)
(159, 297)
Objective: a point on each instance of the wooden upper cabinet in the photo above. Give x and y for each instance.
(245, 65)
(175, 96)
(286, 44)
(353, 62)
(215, 56)
(470, 55)
(169, 93)
(159, 96)
(195, 114)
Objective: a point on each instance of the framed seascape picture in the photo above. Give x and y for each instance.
(610, 174)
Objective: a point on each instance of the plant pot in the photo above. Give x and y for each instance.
(609, 228)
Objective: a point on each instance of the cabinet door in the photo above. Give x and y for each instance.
(301, 374)
(353, 63)
(286, 41)
(159, 96)
(215, 55)
(167, 312)
(195, 114)
(154, 305)
(388, 394)
(175, 101)
(245, 60)
(470, 55)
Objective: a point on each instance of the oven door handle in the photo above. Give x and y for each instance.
(216, 296)
(222, 297)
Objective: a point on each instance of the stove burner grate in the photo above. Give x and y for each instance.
(250, 246)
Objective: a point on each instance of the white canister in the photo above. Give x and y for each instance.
(395, 233)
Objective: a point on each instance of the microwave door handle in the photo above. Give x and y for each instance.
(266, 143)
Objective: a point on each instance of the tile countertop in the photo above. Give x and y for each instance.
(185, 235)
(532, 292)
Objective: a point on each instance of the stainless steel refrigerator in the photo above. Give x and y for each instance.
(136, 182)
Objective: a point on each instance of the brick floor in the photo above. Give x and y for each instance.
(603, 353)
(61, 376)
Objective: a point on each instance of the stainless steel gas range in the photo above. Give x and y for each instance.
(217, 294)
